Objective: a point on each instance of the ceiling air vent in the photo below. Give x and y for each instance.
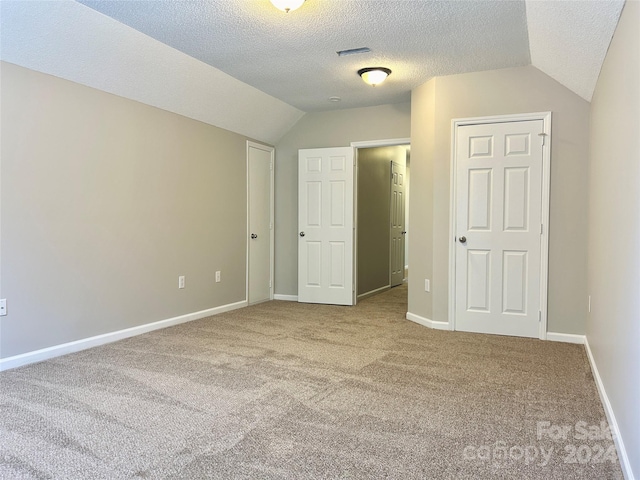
(353, 51)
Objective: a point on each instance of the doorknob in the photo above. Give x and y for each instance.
(463, 239)
(254, 236)
(404, 233)
(302, 234)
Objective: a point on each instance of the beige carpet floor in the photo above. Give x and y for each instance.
(284, 390)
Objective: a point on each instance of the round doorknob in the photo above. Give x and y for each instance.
(254, 236)
(302, 234)
(463, 239)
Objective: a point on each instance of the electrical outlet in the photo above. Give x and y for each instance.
(3, 307)
(427, 285)
(218, 276)
(181, 281)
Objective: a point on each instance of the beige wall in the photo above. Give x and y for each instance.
(374, 208)
(613, 326)
(421, 197)
(336, 128)
(499, 92)
(105, 201)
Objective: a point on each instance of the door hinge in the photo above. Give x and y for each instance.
(541, 229)
(269, 283)
(271, 166)
(543, 136)
(539, 316)
(270, 226)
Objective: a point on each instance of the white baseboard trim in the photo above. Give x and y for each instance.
(77, 345)
(613, 424)
(287, 298)
(566, 338)
(362, 296)
(427, 322)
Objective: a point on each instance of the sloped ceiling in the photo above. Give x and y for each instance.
(247, 67)
(293, 56)
(569, 40)
(74, 42)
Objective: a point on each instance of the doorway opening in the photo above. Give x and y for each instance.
(381, 226)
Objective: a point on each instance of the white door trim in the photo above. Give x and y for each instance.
(544, 238)
(271, 150)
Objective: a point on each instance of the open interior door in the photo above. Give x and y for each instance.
(325, 226)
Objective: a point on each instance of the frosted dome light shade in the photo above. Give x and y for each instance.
(375, 75)
(287, 5)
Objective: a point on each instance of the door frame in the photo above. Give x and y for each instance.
(544, 237)
(271, 150)
(391, 142)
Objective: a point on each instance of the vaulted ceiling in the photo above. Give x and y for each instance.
(292, 57)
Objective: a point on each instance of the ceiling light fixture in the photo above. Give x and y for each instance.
(287, 5)
(374, 75)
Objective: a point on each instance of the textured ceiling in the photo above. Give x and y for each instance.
(293, 56)
(569, 39)
(71, 41)
(247, 67)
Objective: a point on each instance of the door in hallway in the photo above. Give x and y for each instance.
(397, 231)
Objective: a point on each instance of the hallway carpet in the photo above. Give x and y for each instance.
(283, 390)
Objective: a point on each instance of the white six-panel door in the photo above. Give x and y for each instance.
(325, 225)
(498, 228)
(397, 233)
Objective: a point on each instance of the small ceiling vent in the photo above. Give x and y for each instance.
(353, 51)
